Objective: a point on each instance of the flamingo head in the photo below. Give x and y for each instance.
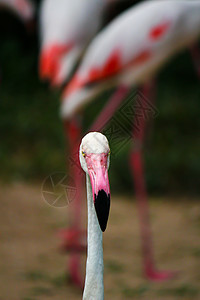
(95, 159)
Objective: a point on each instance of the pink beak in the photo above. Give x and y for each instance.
(98, 172)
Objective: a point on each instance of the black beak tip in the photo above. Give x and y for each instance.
(102, 207)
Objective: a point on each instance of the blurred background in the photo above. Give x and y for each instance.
(32, 146)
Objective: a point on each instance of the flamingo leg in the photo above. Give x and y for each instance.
(72, 241)
(136, 161)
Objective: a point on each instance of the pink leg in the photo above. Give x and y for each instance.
(72, 236)
(141, 194)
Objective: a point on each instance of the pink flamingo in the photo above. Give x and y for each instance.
(66, 29)
(128, 52)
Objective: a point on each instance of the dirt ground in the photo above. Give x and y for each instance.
(32, 267)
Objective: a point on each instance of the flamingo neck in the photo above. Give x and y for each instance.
(94, 286)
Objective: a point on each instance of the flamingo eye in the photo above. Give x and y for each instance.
(109, 152)
(83, 153)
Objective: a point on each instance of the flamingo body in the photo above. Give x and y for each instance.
(66, 29)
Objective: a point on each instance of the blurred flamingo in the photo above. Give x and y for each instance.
(94, 158)
(129, 52)
(66, 29)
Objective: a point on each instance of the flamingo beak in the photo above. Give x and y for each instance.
(98, 172)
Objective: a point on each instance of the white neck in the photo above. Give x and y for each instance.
(94, 287)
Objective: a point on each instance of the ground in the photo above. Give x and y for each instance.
(32, 267)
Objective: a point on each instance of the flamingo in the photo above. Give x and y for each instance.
(23, 8)
(127, 52)
(66, 29)
(94, 155)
